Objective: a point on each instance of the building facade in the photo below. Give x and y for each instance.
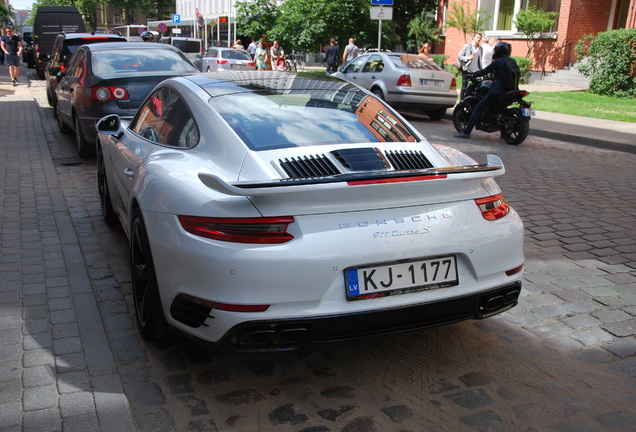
(555, 49)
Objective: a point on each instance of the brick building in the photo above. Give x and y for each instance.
(555, 49)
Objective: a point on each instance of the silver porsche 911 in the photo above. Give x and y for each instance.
(271, 210)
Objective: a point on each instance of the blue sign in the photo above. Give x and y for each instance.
(382, 2)
(176, 18)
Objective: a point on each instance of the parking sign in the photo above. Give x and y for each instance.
(176, 18)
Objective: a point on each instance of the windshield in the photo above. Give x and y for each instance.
(139, 60)
(235, 55)
(308, 117)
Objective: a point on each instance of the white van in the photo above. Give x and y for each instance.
(191, 47)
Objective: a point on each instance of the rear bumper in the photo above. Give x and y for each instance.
(292, 334)
(405, 97)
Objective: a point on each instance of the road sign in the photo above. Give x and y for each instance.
(176, 19)
(162, 27)
(381, 13)
(382, 2)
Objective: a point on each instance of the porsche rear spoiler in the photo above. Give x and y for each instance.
(494, 167)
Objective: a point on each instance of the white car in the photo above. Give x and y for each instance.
(270, 210)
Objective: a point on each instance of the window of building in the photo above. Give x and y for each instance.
(503, 12)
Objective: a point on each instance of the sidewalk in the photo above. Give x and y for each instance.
(57, 371)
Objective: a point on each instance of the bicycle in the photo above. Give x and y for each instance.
(294, 63)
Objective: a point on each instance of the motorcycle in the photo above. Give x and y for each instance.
(512, 121)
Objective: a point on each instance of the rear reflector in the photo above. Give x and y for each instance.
(270, 230)
(396, 180)
(224, 306)
(493, 207)
(514, 270)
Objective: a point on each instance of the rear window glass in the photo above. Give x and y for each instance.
(235, 55)
(411, 61)
(187, 46)
(71, 45)
(296, 118)
(139, 60)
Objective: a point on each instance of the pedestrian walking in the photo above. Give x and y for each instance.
(487, 49)
(12, 48)
(260, 57)
(332, 55)
(470, 59)
(351, 51)
(277, 56)
(251, 49)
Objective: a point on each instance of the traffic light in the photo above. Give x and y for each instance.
(222, 19)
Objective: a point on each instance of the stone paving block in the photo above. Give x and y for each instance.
(10, 415)
(610, 316)
(592, 337)
(622, 328)
(578, 322)
(77, 404)
(81, 423)
(45, 420)
(37, 357)
(623, 347)
(38, 376)
(551, 329)
(41, 397)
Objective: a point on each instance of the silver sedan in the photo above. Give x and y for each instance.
(404, 81)
(224, 59)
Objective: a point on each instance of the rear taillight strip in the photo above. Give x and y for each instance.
(267, 230)
(493, 207)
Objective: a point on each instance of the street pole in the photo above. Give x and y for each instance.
(379, 34)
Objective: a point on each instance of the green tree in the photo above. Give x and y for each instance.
(405, 11)
(532, 22)
(610, 59)
(5, 13)
(465, 20)
(423, 29)
(306, 26)
(256, 19)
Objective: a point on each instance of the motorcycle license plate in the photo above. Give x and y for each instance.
(527, 112)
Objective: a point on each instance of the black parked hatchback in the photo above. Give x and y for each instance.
(63, 48)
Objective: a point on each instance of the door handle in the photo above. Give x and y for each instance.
(129, 172)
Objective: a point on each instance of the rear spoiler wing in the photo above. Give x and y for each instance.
(494, 167)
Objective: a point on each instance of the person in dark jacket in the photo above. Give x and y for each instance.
(499, 68)
(333, 55)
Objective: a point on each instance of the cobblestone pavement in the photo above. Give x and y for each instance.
(563, 360)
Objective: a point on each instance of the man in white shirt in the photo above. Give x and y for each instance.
(487, 49)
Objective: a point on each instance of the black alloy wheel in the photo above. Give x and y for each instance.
(151, 322)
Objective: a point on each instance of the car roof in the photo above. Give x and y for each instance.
(232, 82)
(130, 45)
(90, 35)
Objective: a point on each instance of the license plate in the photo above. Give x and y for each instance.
(435, 83)
(527, 112)
(401, 278)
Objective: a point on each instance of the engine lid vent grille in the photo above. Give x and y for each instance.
(407, 160)
(308, 166)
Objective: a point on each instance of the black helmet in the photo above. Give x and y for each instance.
(147, 36)
(501, 49)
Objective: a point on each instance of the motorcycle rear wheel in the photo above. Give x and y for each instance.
(515, 127)
(461, 115)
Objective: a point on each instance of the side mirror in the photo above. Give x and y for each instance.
(342, 69)
(110, 125)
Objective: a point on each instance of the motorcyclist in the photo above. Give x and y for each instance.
(147, 36)
(499, 68)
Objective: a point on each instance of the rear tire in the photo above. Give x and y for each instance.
(151, 322)
(515, 129)
(461, 115)
(438, 114)
(378, 93)
(83, 148)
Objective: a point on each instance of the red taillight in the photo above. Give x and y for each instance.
(493, 207)
(404, 80)
(269, 230)
(225, 306)
(221, 62)
(37, 50)
(514, 270)
(523, 93)
(251, 64)
(104, 94)
(453, 84)
(62, 68)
